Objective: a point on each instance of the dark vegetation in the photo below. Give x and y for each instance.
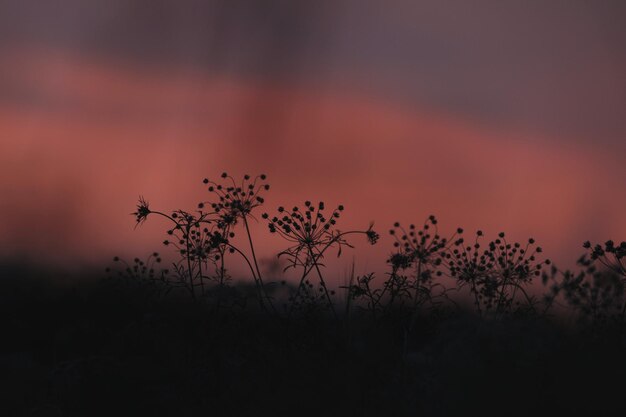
(452, 328)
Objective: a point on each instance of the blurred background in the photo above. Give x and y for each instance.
(493, 115)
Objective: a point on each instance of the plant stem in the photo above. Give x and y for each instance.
(191, 286)
(260, 285)
(201, 277)
(251, 270)
(304, 275)
(319, 273)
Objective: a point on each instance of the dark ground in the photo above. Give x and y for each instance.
(100, 350)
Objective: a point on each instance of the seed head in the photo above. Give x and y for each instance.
(143, 210)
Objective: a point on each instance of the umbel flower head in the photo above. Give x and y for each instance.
(416, 244)
(306, 227)
(236, 200)
(311, 231)
(508, 260)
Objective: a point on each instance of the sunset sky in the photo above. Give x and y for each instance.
(499, 115)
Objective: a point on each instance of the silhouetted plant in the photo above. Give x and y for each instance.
(204, 238)
(497, 274)
(411, 282)
(140, 274)
(197, 239)
(360, 288)
(597, 292)
(610, 256)
(311, 232)
(236, 202)
(414, 265)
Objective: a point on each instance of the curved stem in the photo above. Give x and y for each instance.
(243, 255)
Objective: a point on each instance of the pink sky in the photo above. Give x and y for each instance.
(83, 137)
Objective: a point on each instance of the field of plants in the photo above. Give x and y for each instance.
(158, 337)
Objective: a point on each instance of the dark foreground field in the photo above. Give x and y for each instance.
(103, 349)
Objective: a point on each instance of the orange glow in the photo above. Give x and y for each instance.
(82, 138)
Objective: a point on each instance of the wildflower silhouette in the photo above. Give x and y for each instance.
(236, 202)
(202, 237)
(496, 272)
(144, 274)
(310, 233)
(143, 210)
(410, 283)
(598, 291)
